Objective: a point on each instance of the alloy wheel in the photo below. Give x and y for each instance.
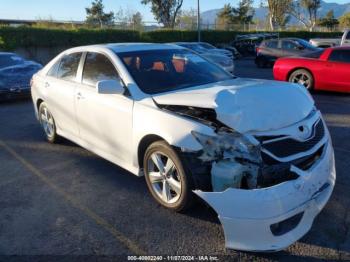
(164, 178)
(302, 79)
(47, 122)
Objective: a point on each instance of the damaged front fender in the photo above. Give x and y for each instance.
(273, 218)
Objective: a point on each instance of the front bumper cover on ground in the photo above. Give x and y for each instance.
(249, 217)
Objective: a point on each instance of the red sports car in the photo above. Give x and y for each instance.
(328, 69)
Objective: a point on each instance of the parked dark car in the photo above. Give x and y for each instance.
(269, 50)
(247, 44)
(15, 75)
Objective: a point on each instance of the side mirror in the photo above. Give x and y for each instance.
(109, 87)
(300, 47)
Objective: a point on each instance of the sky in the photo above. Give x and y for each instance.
(75, 9)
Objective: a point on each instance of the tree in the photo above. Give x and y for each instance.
(311, 7)
(279, 12)
(329, 21)
(187, 19)
(96, 16)
(136, 20)
(244, 13)
(225, 18)
(344, 20)
(165, 11)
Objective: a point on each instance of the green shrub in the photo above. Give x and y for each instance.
(2, 43)
(15, 37)
(39, 37)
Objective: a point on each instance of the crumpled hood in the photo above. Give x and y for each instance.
(247, 104)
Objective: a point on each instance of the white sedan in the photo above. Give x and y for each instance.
(257, 151)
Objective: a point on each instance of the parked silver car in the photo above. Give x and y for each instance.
(220, 59)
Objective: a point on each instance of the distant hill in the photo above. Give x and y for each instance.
(261, 13)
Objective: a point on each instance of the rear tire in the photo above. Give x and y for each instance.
(166, 178)
(302, 77)
(48, 123)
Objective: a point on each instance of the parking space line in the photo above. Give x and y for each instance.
(133, 247)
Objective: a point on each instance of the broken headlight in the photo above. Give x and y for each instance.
(228, 145)
(236, 159)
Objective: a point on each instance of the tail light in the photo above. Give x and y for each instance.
(258, 49)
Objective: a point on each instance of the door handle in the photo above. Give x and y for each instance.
(79, 96)
(47, 85)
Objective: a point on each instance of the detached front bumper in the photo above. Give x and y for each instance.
(271, 219)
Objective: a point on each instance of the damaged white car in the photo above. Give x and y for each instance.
(258, 152)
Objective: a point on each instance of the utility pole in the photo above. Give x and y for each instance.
(198, 21)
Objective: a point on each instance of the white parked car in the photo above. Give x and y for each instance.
(331, 42)
(257, 151)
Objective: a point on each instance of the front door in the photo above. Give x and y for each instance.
(105, 120)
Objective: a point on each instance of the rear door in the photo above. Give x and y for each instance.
(60, 84)
(338, 67)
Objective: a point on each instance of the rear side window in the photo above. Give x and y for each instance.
(289, 45)
(69, 66)
(271, 44)
(97, 68)
(340, 56)
(348, 36)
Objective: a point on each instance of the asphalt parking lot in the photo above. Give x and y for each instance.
(62, 200)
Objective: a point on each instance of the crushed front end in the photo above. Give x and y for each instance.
(268, 187)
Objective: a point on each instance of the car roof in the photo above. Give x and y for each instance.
(128, 47)
(125, 47)
(340, 48)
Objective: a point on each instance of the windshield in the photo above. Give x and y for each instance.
(10, 60)
(158, 71)
(306, 44)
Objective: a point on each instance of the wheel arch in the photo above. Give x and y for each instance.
(38, 103)
(144, 143)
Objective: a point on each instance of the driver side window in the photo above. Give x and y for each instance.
(98, 67)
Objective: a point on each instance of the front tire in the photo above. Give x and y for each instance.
(166, 178)
(48, 123)
(302, 77)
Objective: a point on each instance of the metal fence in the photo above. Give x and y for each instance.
(153, 25)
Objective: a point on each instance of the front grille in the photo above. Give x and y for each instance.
(289, 146)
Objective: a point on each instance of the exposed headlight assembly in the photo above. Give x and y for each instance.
(229, 145)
